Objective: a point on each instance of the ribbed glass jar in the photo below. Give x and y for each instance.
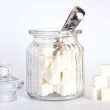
(55, 65)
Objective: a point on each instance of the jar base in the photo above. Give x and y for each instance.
(7, 98)
(50, 98)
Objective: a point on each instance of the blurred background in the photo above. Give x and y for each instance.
(19, 16)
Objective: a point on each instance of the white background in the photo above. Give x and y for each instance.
(18, 16)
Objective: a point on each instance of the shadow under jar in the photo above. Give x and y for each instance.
(54, 65)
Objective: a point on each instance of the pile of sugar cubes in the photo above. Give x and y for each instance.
(101, 85)
(55, 76)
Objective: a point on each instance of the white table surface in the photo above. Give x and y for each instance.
(26, 103)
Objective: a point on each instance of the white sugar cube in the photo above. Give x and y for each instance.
(105, 94)
(105, 69)
(93, 93)
(100, 81)
(65, 89)
(38, 66)
(43, 89)
(68, 76)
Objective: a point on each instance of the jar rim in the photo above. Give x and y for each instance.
(53, 33)
(44, 31)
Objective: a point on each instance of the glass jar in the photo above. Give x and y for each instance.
(55, 65)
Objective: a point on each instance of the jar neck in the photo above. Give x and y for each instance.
(52, 40)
